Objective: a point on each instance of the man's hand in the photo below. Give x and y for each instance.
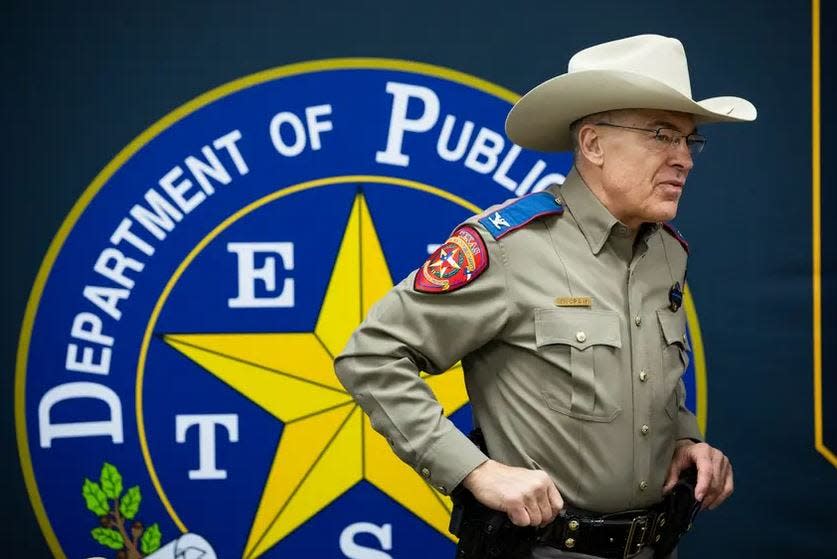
(714, 480)
(529, 497)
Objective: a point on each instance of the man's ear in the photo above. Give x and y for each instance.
(590, 145)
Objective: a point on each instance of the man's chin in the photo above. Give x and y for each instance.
(665, 211)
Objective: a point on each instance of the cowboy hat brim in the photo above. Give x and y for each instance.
(541, 119)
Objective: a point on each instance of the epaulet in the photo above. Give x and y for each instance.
(520, 212)
(676, 234)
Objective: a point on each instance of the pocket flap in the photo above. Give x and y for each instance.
(673, 325)
(578, 328)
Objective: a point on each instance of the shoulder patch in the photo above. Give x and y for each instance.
(520, 212)
(455, 264)
(676, 234)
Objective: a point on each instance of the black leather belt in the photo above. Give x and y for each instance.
(624, 534)
(620, 535)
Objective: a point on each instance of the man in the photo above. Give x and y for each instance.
(565, 310)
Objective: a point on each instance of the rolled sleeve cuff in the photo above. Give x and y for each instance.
(449, 460)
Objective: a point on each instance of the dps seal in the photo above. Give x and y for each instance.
(175, 394)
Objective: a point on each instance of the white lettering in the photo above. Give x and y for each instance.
(276, 134)
(88, 327)
(206, 440)
(160, 219)
(200, 170)
(227, 142)
(353, 550)
(87, 363)
(488, 144)
(530, 177)
(315, 127)
(399, 123)
(112, 265)
(461, 144)
(248, 274)
(500, 176)
(73, 390)
(123, 233)
(177, 191)
(106, 298)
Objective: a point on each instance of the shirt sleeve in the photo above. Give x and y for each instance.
(687, 427)
(409, 331)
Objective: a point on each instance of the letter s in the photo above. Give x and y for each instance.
(354, 551)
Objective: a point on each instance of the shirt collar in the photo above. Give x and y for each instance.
(593, 218)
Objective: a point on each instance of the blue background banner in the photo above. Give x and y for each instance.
(84, 82)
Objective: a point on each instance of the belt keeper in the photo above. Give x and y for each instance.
(642, 521)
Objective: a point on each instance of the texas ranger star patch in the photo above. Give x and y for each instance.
(454, 264)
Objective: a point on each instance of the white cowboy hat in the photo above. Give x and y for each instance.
(641, 72)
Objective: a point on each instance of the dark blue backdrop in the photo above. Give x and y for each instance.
(83, 79)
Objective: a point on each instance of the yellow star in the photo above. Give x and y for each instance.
(327, 445)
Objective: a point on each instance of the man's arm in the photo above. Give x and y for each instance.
(410, 331)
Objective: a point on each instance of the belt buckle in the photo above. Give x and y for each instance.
(640, 532)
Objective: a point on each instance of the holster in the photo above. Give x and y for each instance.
(485, 533)
(680, 508)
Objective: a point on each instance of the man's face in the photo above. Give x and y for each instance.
(643, 178)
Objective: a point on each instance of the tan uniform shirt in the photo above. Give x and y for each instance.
(591, 395)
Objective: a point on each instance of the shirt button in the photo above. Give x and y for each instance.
(425, 472)
(643, 485)
(644, 429)
(643, 376)
(581, 336)
(443, 489)
(638, 320)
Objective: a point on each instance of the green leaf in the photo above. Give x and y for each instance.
(111, 481)
(97, 501)
(129, 504)
(150, 540)
(107, 537)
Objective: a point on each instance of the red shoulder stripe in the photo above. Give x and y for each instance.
(676, 234)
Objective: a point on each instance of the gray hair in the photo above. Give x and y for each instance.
(575, 127)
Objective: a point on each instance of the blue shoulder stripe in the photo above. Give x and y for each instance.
(520, 212)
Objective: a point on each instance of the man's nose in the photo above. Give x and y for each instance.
(681, 156)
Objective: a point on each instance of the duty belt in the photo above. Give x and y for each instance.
(488, 534)
(620, 535)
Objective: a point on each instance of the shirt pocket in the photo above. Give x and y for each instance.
(675, 356)
(585, 379)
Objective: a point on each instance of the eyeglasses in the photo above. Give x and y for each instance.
(668, 137)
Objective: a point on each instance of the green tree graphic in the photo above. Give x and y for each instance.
(105, 499)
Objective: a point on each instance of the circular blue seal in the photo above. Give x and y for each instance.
(175, 388)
